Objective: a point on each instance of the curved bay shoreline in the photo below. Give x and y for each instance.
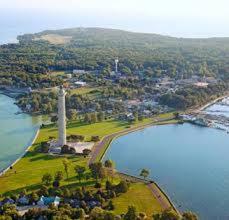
(19, 158)
(99, 151)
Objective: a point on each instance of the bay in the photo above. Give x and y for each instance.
(17, 131)
(189, 162)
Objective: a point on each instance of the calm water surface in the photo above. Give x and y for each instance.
(190, 163)
(16, 131)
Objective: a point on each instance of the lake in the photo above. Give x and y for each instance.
(190, 163)
(16, 131)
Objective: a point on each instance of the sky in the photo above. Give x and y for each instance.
(180, 18)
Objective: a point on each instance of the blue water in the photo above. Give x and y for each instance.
(16, 131)
(190, 163)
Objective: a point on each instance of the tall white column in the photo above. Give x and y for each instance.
(61, 118)
(116, 65)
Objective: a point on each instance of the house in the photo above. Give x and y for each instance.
(80, 83)
(75, 203)
(93, 204)
(78, 71)
(44, 201)
(55, 150)
(201, 84)
(23, 200)
(69, 75)
(8, 201)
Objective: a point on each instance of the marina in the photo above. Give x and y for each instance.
(214, 115)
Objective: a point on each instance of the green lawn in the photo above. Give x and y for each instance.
(57, 73)
(141, 197)
(92, 92)
(30, 169)
(101, 129)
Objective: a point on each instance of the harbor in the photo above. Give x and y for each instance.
(214, 115)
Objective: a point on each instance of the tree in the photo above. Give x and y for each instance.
(47, 179)
(87, 118)
(95, 138)
(86, 152)
(72, 114)
(44, 147)
(100, 116)
(80, 170)
(109, 185)
(108, 164)
(43, 191)
(189, 216)
(131, 213)
(66, 164)
(97, 170)
(167, 215)
(122, 187)
(65, 149)
(94, 118)
(142, 216)
(54, 119)
(34, 197)
(135, 116)
(176, 115)
(144, 173)
(111, 205)
(59, 176)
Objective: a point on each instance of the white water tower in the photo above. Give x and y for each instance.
(116, 65)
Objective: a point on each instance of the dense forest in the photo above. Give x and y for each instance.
(96, 48)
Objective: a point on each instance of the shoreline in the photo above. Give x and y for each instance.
(4, 170)
(104, 146)
(23, 154)
(210, 103)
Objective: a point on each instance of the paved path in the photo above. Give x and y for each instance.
(165, 204)
(99, 147)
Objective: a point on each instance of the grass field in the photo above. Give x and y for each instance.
(141, 197)
(92, 92)
(55, 38)
(33, 165)
(27, 173)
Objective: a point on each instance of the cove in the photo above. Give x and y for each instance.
(17, 131)
(190, 163)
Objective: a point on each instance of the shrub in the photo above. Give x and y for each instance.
(98, 185)
(95, 138)
(122, 187)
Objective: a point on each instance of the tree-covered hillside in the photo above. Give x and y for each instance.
(95, 49)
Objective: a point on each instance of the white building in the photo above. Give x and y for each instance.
(78, 71)
(80, 83)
